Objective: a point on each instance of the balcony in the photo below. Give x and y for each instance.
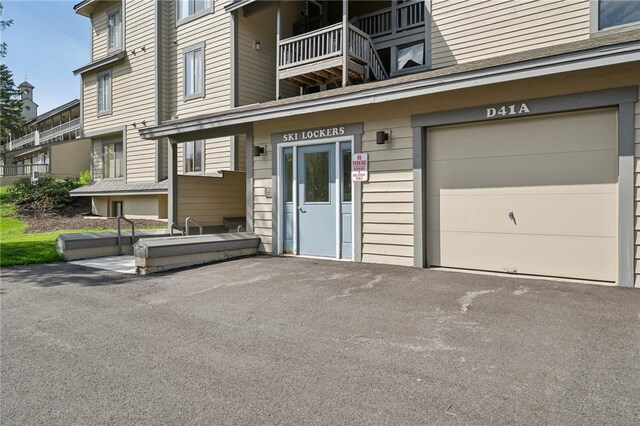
(65, 131)
(23, 170)
(318, 57)
(392, 20)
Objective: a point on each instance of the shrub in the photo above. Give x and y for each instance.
(85, 178)
(45, 194)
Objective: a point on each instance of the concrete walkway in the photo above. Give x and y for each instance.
(121, 264)
(299, 341)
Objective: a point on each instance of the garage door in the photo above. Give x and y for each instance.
(531, 195)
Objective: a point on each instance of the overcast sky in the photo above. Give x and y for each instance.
(46, 42)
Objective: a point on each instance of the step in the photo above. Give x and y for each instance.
(87, 245)
(166, 253)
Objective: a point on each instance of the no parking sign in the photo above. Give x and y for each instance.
(360, 167)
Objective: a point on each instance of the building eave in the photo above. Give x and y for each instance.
(117, 193)
(389, 90)
(85, 8)
(237, 4)
(95, 65)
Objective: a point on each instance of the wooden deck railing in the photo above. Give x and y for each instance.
(23, 170)
(326, 43)
(381, 22)
(60, 130)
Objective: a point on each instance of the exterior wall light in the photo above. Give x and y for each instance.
(382, 137)
(257, 46)
(259, 150)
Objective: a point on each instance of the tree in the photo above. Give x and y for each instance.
(11, 122)
(3, 25)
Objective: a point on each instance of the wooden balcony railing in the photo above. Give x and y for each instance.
(326, 43)
(23, 170)
(381, 22)
(61, 130)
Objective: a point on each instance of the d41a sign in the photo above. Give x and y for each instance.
(360, 167)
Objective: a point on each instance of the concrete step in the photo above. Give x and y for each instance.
(165, 253)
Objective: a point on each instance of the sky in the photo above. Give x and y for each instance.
(46, 42)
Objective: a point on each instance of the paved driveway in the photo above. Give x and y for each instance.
(298, 341)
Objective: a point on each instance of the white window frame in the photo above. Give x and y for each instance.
(115, 142)
(195, 143)
(120, 30)
(192, 14)
(106, 93)
(199, 47)
(594, 21)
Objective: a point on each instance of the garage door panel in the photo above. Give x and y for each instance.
(552, 214)
(572, 257)
(584, 131)
(557, 173)
(571, 168)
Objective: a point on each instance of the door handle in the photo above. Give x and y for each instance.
(301, 209)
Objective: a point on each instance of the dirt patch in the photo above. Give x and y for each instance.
(75, 217)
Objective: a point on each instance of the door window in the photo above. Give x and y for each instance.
(316, 189)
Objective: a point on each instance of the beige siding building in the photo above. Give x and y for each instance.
(153, 61)
(487, 136)
(52, 145)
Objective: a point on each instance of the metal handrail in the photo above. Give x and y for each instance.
(133, 232)
(172, 226)
(241, 229)
(186, 225)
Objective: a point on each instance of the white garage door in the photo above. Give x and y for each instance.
(529, 195)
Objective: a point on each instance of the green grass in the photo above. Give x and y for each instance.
(18, 248)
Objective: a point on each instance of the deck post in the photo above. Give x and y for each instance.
(173, 182)
(345, 42)
(278, 33)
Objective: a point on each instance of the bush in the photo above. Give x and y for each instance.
(85, 178)
(45, 194)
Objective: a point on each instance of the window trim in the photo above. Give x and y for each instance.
(108, 96)
(184, 158)
(112, 141)
(193, 16)
(110, 12)
(193, 48)
(594, 21)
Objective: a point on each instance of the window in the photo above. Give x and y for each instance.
(192, 8)
(117, 208)
(411, 55)
(613, 13)
(193, 158)
(104, 93)
(194, 72)
(317, 183)
(112, 160)
(114, 25)
(346, 175)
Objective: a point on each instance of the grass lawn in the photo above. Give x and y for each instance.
(18, 248)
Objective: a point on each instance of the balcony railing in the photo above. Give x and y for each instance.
(381, 22)
(23, 141)
(326, 43)
(61, 130)
(39, 138)
(23, 170)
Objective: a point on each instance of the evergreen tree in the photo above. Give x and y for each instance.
(11, 122)
(3, 24)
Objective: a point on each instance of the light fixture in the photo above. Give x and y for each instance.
(382, 137)
(256, 45)
(259, 150)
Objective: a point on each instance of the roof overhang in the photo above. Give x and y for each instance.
(237, 4)
(229, 122)
(117, 193)
(85, 8)
(93, 66)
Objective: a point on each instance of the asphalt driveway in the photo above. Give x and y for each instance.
(299, 341)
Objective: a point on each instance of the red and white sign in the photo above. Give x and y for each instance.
(360, 167)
